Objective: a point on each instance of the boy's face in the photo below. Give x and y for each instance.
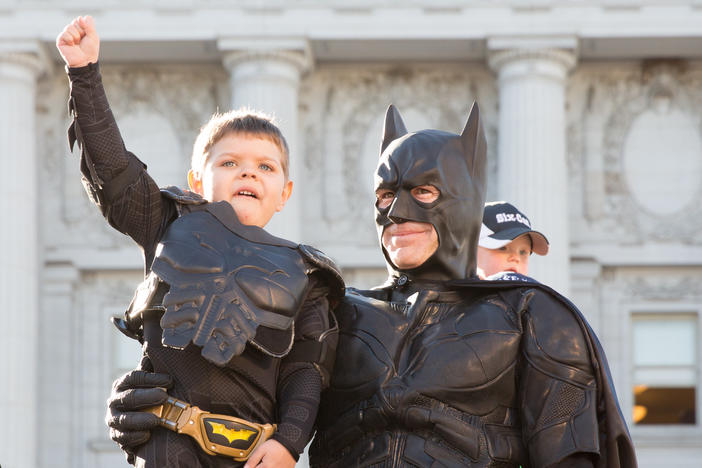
(512, 257)
(245, 171)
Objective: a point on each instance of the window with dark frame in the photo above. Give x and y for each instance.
(665, 369)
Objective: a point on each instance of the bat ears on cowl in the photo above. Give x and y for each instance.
(472, 137)
(475, 145)
(394, 127)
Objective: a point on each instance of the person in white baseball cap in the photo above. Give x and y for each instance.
(507, 240)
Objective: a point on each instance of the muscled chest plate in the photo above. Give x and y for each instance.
(451, 349)
(223, 286)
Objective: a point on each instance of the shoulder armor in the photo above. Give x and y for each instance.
(223, 288)
(184, 197)
(332, 274)
(555, 334)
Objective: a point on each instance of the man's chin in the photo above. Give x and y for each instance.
(404, 262)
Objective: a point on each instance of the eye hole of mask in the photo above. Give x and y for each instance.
(421, 193)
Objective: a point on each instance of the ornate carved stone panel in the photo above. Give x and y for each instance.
(672, 288)
(635, 146)
(342, 113)
(159, 110)
(53, 157)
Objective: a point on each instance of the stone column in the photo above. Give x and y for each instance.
(532, 169)
(19, 269)
(585, 290)
(265, 75)
(56, 390)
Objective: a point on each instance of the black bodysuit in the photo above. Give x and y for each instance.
(478, 374)
(268, 387)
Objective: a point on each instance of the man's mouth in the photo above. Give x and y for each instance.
(406, 231)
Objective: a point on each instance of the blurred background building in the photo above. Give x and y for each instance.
(593, 113)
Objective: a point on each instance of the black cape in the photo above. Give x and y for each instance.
(616, 446)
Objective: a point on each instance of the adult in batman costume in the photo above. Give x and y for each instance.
(440, 368)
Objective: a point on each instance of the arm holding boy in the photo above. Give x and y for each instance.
(132, 203)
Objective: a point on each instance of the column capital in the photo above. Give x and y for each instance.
(59, 278)
(560, 52)
(586, 270)
(295, 51)
(30, 55)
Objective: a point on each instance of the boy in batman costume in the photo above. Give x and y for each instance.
(443, 369)
(237, 318)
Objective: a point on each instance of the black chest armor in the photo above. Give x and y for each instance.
(227, 285)
(223, 287)
(431, 379)
(217, 310)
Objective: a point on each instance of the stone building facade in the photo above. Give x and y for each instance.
(593, 113)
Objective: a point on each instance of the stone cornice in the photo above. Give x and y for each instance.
(360, 30)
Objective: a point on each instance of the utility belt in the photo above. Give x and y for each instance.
(217, 434)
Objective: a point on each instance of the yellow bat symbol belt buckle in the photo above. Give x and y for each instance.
(217, 434)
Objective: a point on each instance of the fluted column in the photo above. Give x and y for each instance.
(56, 380)
(19, 268)
(265, 75)
(532, 171)
(585, 290)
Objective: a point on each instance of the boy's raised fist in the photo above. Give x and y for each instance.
(79, 43)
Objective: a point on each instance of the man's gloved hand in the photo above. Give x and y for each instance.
(132, 392)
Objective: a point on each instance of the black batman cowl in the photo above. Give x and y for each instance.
(455, 165)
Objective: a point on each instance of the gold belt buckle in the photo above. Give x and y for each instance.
(217, 434)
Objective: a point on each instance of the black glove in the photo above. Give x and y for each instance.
(135, 390)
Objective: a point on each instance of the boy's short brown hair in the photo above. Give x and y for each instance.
(242, 122)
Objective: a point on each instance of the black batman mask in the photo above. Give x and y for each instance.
(455, 165)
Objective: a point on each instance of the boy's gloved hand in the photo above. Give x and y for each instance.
(79, 43)
(132, 392)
